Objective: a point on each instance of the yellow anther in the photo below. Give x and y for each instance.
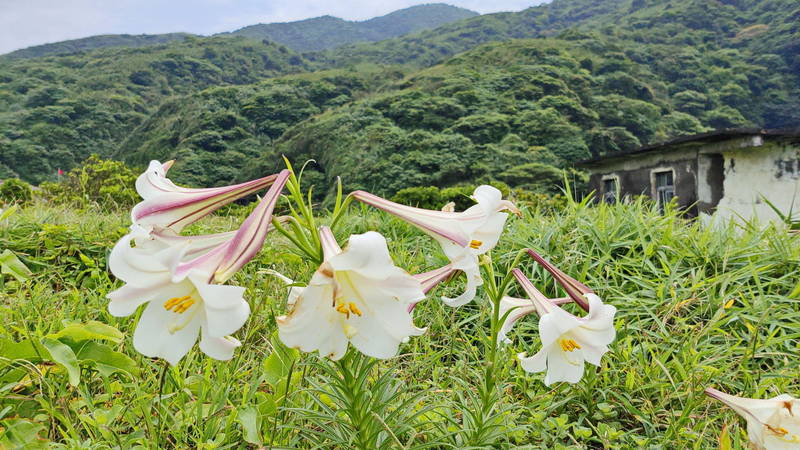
(476, 244)
(342, 308)
(179, 305)
(354, 309)
(569, 345)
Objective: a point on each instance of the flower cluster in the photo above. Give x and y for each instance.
(357, 295)
(181, 278)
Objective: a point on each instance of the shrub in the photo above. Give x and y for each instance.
(97, 181)
(14, 190)
(428, 197)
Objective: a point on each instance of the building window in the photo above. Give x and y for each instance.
(610, 189)
(665, 188)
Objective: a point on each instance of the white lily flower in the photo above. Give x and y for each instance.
(772, 424)
(463, 235)
(567, 341)
(358, 296)
(178, 309)
(179, 289)
(166, 205)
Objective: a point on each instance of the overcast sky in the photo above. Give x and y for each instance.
(31, 22)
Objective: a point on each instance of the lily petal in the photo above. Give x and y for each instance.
(170, 206)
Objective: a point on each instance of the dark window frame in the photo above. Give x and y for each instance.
(610, 196)
(663, 185)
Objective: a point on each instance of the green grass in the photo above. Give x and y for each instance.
(669, 278)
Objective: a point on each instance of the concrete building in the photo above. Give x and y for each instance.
(725, 172)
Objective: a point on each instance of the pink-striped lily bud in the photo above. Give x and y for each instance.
(250, 237)
(167, 205)
(576, 290)
(432, 278)
(463, 235)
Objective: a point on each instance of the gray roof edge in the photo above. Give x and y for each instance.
(710, 135)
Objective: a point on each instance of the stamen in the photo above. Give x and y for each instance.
(476, 244)
(354, 309)
(569, 345)
(179, 305)
(343, 309)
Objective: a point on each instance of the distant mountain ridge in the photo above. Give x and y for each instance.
(94, 42)
(327, 32)
(315, 34)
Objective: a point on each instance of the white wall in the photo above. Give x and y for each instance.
(771, 171)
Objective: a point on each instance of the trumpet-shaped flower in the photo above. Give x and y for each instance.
(166, 205)
(177, 308)
(358, 296)
(772, 424)
(567, 341)
(180, 291)
(463, 235)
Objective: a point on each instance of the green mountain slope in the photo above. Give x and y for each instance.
(326, 32)
(509, 111)
(55, 111)
(602, 76)
(494, 112)
(760, 25)
(95, 42)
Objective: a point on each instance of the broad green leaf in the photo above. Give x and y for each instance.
(21, 433)
(278, 363)
(106, 359)
(11, 265)
(18, 350)
(65, 357)
(248, 417)
(90, 330)
(266, 404)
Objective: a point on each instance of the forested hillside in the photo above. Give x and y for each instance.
(56, 111)
(327, 32)
(95, 42)
(594, 77)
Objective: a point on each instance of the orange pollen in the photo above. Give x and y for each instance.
(354, 309)
(476, 244)
(569, 345)
(343, 309)
(179, 305)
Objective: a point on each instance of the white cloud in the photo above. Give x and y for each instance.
(32, 22)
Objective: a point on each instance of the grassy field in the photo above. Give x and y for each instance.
(696, 308)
